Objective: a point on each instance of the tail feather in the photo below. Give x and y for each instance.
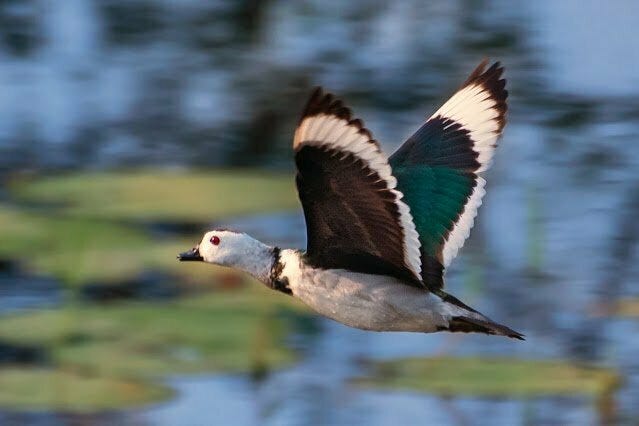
(469, 325)
(464, 319)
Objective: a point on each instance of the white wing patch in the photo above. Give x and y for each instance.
(347, 136)
(461, 229)
(479, 107)
(476, 110)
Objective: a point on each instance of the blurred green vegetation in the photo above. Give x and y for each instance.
(211, 332)
(161, 195)
(89, 228)
(491, 377)
(86, 227)
(55, 389)
(75, 250)
(135, 343)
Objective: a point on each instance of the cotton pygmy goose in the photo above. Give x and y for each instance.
(381, 231)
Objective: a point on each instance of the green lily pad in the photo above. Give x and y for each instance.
(74, 250)
(77, 250)
(490, 377)
(224, 331)
(55, 389)
(95, 350)
(161, 195)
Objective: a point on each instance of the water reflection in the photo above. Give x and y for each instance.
(21, 290)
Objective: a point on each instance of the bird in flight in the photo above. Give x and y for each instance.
(381, 231)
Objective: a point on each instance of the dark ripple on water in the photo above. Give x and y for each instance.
(20, 290)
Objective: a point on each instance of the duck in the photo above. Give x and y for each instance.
(381, 231)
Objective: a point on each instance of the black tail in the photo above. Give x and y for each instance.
(471, 325)
(465, 323)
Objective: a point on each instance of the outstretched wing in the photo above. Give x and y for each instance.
(355, 218)
(437, 167)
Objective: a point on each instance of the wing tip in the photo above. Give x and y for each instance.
(322, 102)
(492, 81)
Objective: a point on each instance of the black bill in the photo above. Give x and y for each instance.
(191, 256)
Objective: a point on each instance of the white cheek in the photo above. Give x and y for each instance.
(217, 254)
(208, 253)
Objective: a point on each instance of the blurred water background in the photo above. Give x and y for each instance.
(129, 127)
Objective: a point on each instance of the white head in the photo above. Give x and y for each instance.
(235, 249)
(220, 247)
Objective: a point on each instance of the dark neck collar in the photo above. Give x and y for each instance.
(276, 279)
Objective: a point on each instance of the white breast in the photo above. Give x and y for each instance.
(369, 302)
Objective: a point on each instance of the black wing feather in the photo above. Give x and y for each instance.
(353, 219)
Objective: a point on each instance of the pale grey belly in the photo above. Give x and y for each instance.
(370, 302)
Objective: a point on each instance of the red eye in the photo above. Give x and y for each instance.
(215, 240)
